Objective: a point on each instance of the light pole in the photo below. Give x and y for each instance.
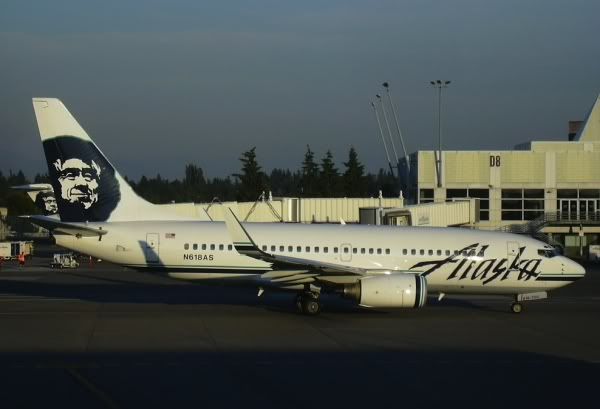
(386, 85)
(387, 153)
(439, 84)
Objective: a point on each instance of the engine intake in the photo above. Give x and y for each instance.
(400, 290)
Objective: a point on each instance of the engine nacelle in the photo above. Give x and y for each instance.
(400, 290)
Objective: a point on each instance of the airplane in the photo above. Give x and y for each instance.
(375, 266)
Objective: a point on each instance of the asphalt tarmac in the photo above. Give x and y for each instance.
(107, 337)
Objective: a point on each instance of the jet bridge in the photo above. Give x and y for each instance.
(443, 214)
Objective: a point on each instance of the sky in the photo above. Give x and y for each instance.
(158, 84)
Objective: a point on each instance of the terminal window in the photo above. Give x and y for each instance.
(425, 195)
(578, 204)
(482, 194)
(522, 204)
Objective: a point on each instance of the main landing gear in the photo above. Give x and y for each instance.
(308, 303)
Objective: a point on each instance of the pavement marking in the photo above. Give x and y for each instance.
(7, 297)
(20, 278)
(93, 389)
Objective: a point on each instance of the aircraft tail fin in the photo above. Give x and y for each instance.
(42, 195)
(86, 185)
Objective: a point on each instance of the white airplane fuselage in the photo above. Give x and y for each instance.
(453, 260)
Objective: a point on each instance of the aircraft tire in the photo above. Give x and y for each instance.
(310, 306)
(516, 308)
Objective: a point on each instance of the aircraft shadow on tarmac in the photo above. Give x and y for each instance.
(109, 289)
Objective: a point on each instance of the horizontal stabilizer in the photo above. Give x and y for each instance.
(34, 187)
(57, 226)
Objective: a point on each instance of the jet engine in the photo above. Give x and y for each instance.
(399, 290)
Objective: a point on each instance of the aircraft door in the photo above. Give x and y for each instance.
(346, 252)
(152, 247)
(512, 248)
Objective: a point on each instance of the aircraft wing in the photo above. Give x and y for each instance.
(244, 244)
(55, 225)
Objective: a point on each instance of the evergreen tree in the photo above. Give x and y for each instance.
(252, 179)
(328, 177)
(310, 174)
(41, 178)
(354, 181)
(284, 183)
(194, 184)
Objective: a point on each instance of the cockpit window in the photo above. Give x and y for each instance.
(547, 253)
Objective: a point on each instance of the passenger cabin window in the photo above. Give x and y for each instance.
(378, 251)
(447, 252)
(212, 246)
(387, 251)
(439, 252)
(413, 252)
(355, 250)
(204, 247)
(281, 248)
(264, 248)
(422, 252)
(290, 248)
(272, 248)
(230, 247)
(335, 250)
(316, 249)
(345, 249)
(195, 246)
(221, 247)
(325, 249)
(370, 251)
(307, 248)
(404, 252)
(186, 246)
(430, 252)
(362, 251)
(298, 249)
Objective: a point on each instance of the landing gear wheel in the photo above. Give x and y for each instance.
(310, 306)
(516, 307)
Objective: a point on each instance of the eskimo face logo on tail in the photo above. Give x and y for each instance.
(46, 202)
(79, 181)
(85, 183)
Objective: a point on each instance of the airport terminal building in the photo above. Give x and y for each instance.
(555, 185)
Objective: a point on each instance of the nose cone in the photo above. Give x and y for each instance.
(573, 268)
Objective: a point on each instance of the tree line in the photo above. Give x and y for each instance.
(314, 178)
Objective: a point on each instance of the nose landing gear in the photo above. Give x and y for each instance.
(516, 307)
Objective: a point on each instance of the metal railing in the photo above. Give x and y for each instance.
(554, 218)
(533, 227)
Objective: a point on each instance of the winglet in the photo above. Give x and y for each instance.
(242, 241)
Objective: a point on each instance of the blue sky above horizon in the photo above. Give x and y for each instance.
(160, 84)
